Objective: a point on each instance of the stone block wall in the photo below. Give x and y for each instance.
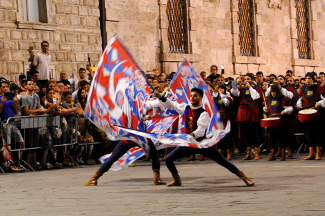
(72, 30)
(136, 23)
(213, 35)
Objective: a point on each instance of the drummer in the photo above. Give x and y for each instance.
(312, 96)
(278, 105)
(286, 91)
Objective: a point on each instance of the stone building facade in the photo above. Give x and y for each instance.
(214, 33)
(70, 26)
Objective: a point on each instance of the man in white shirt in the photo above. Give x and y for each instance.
(42, 61)
(197, 120)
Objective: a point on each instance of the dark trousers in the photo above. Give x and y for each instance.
(249, 131)
(278, 138)
(211, 152)
(312, 134)
(121, 148)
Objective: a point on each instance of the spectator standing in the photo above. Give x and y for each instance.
(259, 79)
(82, 76)
(42, 61)
(214, 73)
(31, 106)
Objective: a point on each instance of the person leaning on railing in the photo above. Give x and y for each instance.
(31, 106)
(8, 109)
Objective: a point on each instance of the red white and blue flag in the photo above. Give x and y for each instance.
(117, 95)
(124, 161)
(183, 81)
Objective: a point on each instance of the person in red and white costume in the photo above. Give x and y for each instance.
(223, 102)
(312, 96)
(280, 106)
(249, 115)
(197, 120)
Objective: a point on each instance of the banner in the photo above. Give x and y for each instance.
(124, 161)
(118, 93)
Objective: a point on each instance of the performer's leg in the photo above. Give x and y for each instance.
(272, 143)
(155, 164)
(179, 152)
(154, 156)
(217, 157)
(282, 141)
(120, 149)
(245, 132)
(310, 135)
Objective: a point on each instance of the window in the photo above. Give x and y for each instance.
(246, 24)
(177, 26)
(303, 29)
(35, 10)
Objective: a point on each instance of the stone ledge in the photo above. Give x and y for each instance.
(36, 26)
(248, 60)
(178, 57)
(306, 62)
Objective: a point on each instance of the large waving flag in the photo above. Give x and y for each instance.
(117, 95)
(183, 81)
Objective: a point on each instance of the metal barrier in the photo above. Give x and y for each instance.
(47, 128)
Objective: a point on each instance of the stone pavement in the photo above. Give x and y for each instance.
(292, 187)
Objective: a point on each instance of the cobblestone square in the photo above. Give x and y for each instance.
(292, 187)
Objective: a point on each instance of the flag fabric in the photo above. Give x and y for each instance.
(117, 95)
(183, 81)
(124, 161)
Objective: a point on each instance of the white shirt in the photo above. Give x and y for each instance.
(202, 123)
(254, 94)
(285, 93)
(42, 63)
(75, 96)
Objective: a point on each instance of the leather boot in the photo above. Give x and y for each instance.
(318, 153)
(245, 179)
(192, 158)
(257, 153)
(311, 155)
(156, 178)
(272, 157)
(278, 152)
(289, 152)
(228, 154)
(93, 180)
(202, 158)
(283, 154)
(248, 155)
(232, 152)
(177, 181)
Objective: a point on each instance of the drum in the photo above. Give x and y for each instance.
(307, 115)
(271, 122)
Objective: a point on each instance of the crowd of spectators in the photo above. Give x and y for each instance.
(67, 96)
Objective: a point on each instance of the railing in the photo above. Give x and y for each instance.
(55, 131)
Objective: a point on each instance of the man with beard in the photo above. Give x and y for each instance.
(31, 106)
